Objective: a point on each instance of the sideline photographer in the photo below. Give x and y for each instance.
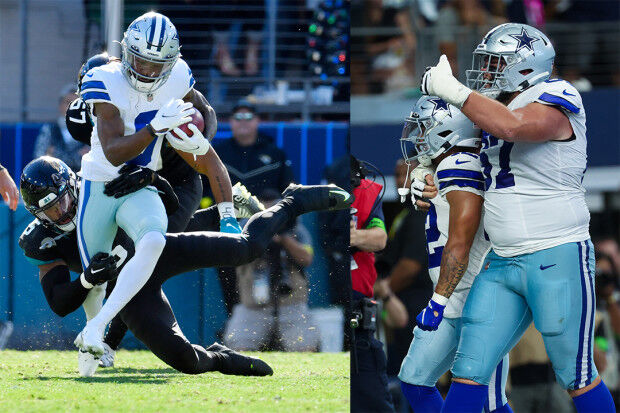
(369, 390)
(273, 310)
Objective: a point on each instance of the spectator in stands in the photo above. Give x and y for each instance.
(388, 60)
(274, 295)
(242, 19)
(476, 19)
(252, 159)
(55, 140)
(403, 266)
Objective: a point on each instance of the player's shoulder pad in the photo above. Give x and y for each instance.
(182, 76)
(460, 171)
(38, 243)
(559, 93)
(96, 84)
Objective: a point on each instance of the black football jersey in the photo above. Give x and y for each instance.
(78, 121)
(43, 245)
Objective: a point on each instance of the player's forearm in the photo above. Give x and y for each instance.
(454, 260)
(207, 111)
(63, 295)
(492, 116)
(120, 149)
(211, 165)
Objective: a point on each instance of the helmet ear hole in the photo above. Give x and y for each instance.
(526, 71)
(444, 133)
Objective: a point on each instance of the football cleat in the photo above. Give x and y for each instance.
(319, 197)
(244, 202)
(237, 364)
(90, 340)
(107, 360)
(87, 363)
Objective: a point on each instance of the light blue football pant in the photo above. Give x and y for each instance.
(431, 354)
(99, 217)
(553, 287)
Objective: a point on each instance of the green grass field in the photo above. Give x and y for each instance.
(48, 381)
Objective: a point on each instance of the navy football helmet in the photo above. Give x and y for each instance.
(49, 190)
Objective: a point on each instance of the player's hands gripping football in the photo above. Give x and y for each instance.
(432, 315)
(102, 268)
(173, 114)
(439, 81)
(132, 178)
(195, 143)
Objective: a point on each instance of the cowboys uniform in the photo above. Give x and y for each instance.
(542, 264)
(432, 353)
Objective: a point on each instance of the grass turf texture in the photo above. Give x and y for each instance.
(48, 381)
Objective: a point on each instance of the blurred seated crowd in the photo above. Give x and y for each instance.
(396, 39)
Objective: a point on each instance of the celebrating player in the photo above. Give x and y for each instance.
(541, 267)
(134, 104)
(446, 143)
(49, 244)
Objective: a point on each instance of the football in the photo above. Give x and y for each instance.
(197, 120)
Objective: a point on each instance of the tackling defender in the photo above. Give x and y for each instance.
(541, 267)
(446, 144)
(133, 104)
(148, 315)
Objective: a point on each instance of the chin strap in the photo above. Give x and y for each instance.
(404, 191)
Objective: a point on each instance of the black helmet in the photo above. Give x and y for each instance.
(95, 61)
(48, 188)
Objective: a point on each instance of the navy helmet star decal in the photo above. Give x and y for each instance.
(524, 39)
(440, 104)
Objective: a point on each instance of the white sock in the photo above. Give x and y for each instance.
(94, 300)
(132, 278)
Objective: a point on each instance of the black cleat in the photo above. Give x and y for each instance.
(237, 364)
(319, 197)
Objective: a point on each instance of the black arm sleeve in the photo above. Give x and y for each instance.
(168, 196)
(63, 295)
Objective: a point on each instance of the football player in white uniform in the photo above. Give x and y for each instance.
(446, 144)
(134, 104)
(541, 267)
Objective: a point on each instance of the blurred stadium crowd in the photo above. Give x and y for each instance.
(392, 41)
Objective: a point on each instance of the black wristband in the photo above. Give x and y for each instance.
(151, 130)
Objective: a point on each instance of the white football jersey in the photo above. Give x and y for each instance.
(534, 196)
(107, 83)
(457, 172)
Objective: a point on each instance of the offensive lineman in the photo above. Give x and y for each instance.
(47, 244)
(541, 267)
(446, 145)
(134, 103)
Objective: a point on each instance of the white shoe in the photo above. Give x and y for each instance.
(244, 202)
(87, 363)
(90, 339)
(107, 360)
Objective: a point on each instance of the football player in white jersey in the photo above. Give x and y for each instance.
(134, 105)
(446, 144)
(541, 267)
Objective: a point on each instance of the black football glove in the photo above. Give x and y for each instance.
(132, 178)
(102, 268)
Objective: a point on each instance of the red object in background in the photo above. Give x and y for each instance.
(197, 120)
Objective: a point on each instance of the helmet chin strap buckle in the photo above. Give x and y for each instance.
(403, 192)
